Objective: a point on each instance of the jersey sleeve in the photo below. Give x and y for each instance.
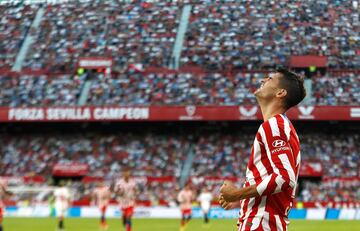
(280, 156)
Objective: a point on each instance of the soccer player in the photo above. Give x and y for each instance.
(185, 197)
(3, 194)
(102, 197)
(205, 199)
(62, 203)
(126, 189)
(273, 168)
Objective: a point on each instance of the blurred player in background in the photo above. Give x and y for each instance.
(126, 190)
(273, 168)
(185, 198)
(205, 199)
(101, 196)
(4, 192)
(62, 203)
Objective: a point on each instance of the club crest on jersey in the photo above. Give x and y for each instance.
(278, 143)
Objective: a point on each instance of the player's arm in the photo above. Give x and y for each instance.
(229, 193)
(281, 178)
(7, 192)
(228, 205)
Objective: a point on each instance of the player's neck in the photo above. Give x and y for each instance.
(270, 109)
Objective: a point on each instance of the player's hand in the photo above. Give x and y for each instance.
(226, 205)
(229, 192)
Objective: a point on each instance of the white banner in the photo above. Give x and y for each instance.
(347, 214)
(163, 212)
(315, 214)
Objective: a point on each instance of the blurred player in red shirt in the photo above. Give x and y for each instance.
(3, 194)
(273, 168)
(126, 189)
(185, 198)
(102, 197)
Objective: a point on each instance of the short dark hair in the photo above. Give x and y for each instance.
(294, 85)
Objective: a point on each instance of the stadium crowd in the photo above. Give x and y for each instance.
(129, 33)
(262, 34)
(219, 37)
(133, 88)
(106, 155)
(331, 191)
(341, 90)
(232, 35)
(39, 90)
(157, 155)
(15, 22)
(173, 89)
(338, 153)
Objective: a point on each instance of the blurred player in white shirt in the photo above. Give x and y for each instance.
(205, 199)
(126, 190)
(102, 197)
(185, 198)
(62, 203)
(3, 194)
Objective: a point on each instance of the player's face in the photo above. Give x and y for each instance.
(100, 184)
(126, 175)
(269, 86)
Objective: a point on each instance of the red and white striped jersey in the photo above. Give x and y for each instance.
(185, 198)
(126, 190)
(102, 195)
(274, 168)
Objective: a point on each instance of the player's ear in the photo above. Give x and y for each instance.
(281, 93)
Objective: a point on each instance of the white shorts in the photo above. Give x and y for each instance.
(61, 210)
(205, 209)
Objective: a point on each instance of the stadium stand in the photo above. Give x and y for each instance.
(39, 90)
(226, 49)
(173, 89)
(14, 24)
(157, 88)
(335, 191)
(218, 37)
(263, 34)
(337, 89)
(218, 154)
(129, 33)
(106, 155)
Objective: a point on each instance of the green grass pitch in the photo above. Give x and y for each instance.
(82, 224)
